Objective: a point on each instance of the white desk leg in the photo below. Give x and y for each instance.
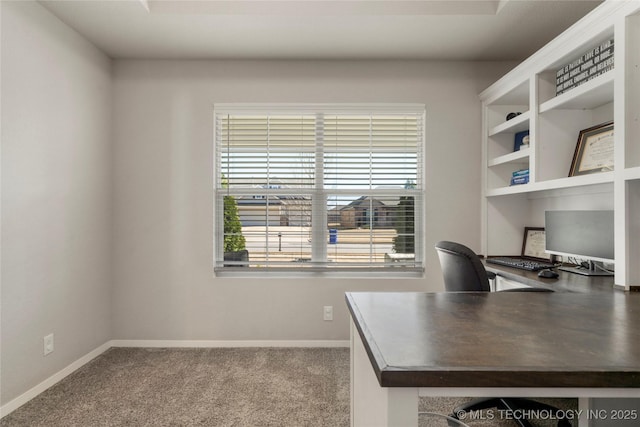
(583, 408)
(372, 405)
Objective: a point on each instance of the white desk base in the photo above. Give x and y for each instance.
(372, 405)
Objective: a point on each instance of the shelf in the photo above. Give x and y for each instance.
(517, 124)
(587, 96)
(515, 96)
(555, 184)
(575, 181)
(631, 174)
(555, 121)
(510, 158)
(513, 189)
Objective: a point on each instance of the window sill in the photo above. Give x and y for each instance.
(306, 272)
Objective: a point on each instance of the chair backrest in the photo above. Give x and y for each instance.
(461, 268)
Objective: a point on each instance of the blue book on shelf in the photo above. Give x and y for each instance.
(517, 180)
(520, 172)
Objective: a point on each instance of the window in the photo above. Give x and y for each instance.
(318, 187)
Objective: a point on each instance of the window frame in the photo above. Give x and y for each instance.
(320, 195)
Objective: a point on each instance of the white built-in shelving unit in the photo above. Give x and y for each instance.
(554, 122)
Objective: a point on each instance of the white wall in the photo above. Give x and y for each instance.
(163, 125)
(56, 196)
(107, 224)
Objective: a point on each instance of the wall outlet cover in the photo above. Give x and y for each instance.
(48, 344)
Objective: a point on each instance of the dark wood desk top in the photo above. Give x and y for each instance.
(565, 282)
(508, 339)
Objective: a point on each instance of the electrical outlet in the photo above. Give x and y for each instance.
(48, 344)
(328, 312)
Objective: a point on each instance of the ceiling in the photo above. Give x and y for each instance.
(320, 29)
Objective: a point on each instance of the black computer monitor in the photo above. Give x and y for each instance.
(587, 235)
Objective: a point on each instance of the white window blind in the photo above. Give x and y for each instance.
(319, 187)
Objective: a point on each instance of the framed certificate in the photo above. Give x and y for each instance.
(594, 150)
(534, 243)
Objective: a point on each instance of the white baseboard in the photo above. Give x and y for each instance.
(14, 404)
(228, 343)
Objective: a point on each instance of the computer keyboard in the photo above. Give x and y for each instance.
(520, 263)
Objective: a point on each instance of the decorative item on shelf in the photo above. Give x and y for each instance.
(594, 150)
(593, 63)
(521, 140)
(512, 115)
(519, 180)
(520, 177)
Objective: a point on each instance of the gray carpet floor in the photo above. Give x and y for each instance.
(198, 387)
(212, 387)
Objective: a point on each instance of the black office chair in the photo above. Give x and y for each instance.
(463, 272)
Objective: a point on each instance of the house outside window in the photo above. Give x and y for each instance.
(319, 187)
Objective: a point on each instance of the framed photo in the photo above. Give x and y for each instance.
(533, 244)
(594, 150)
